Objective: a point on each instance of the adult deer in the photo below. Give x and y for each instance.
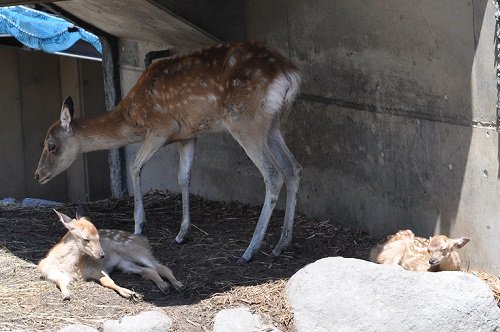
(240, 88)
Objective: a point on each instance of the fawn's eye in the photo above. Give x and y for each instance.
(86, 240)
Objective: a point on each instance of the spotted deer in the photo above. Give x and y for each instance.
(242, 88)
(85, 253)
(413, 253)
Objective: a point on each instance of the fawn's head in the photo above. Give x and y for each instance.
(83, 231)
(60, 148)
(441, 247)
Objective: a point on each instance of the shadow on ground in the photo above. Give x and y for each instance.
(205, 264)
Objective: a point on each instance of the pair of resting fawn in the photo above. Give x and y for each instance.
(85, 253)
(413, 253)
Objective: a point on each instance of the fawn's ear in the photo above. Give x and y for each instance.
(67, 221)
(460, 242)
(82, 211)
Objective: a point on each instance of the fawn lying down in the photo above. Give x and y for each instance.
(413, 253)
(87, 254)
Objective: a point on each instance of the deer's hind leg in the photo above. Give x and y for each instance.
(167, 273)
(292, 172)
(146, 272)
(186, 155)
(253, 139)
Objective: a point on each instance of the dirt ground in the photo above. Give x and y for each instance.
(205, 264)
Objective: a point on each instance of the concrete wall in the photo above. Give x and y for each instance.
(395, 127)
(32, 86)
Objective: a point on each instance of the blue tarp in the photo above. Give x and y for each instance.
(42, 31)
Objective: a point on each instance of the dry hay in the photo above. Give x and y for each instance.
(205, 264)
(267, 299)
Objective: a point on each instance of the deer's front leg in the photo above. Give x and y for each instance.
(186, 156)
(106, 281)
(62, 280)
(151, 144)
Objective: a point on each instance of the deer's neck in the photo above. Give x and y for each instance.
(107, 131)
(67, 253)
(451, 263)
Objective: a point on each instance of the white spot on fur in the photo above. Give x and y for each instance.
(211, 97)
(232, 61)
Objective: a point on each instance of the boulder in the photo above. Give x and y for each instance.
(148, 321)
(344, 294)
(240, 320)
(78, 328)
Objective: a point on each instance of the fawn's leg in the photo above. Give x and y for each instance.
(106, 281)
(62, 281)
(167, 273)
(145, 272)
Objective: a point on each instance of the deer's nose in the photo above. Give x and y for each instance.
(37, 176)
(101, 255)
(432, 261)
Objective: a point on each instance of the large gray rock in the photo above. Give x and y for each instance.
(343, 294)
(78, 328)
(148, 321)
(240, 320)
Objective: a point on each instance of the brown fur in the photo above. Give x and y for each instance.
(87, 254)
(242, 88)
(413, 253)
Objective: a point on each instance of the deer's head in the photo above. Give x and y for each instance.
(441, 247)
(61, 148)
(83, 231)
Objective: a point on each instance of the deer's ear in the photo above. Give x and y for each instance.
(66, 221)
(67, 111)
(82, 211)
(460, 242)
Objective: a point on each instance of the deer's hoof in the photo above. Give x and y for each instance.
(165, 289)
(242, 261)
(179, 287)
(180, 240)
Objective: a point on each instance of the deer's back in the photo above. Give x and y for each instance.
(391, 250)
(198, 91)
(121, 246)
(416, 256)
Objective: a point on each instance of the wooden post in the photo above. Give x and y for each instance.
(112, 93)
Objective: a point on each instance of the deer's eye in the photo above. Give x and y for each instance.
(51, 147)
(86, 240)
